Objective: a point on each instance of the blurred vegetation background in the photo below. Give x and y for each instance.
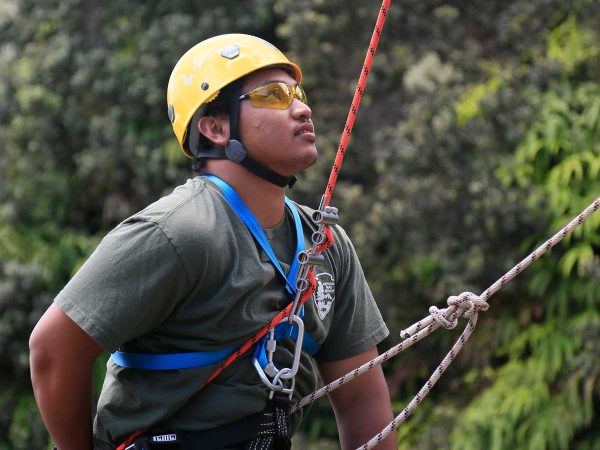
(478, 138)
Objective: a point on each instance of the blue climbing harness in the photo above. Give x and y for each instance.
(283, 330)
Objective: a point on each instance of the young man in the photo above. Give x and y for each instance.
(186, 279)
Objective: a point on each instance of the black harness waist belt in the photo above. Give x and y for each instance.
(267, 430)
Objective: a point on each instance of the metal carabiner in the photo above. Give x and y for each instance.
(278, 376)
(275, 387)
(297, 349)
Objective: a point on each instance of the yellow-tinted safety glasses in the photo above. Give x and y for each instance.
(274, 95)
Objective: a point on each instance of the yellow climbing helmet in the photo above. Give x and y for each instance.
(208, 67)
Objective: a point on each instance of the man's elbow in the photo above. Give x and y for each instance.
(40, 356)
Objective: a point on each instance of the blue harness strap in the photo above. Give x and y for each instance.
(258, 233)
(151, 361)
(284, 329)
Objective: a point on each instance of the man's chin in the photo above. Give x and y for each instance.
(309, 160)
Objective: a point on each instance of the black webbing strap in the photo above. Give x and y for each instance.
(274, 431)
(267, 174)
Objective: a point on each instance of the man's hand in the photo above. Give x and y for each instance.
(62, 359)
(362, 406)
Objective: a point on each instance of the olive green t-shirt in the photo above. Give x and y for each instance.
(185, 275)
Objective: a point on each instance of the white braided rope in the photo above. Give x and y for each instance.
(463, 305)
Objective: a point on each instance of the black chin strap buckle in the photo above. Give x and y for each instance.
(235, 151)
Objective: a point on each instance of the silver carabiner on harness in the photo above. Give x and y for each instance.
(279, 377)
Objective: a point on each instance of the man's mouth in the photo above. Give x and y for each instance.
(306, 130)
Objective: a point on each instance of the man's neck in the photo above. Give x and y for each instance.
(264, 199)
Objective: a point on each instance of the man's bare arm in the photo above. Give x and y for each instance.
(62, 359)
(362, 406)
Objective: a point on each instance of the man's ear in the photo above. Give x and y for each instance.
(215, 129)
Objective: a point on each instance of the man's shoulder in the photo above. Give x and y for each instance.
(191, 212)
(183, 203)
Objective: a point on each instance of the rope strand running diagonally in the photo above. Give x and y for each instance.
(463, 305)
(324, 229)
(360, 88)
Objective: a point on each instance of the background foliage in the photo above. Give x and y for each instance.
(478, 137)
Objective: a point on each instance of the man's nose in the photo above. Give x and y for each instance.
(300, 110)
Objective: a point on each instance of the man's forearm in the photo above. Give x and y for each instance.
(362, 407)
(364, 419)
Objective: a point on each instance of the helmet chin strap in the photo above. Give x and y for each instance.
(235, 151)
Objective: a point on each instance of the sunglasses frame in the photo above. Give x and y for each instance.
(292, 92)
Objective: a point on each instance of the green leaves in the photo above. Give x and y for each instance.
(571, 45)
(580, 256)
(539, 399)
(542, 397)
(478, 138)
(469, 105)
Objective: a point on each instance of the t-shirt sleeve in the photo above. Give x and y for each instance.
(357, 323)
(128, 286)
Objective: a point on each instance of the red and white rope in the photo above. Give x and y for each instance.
(360, 88)
(305, 291)
(464, 305)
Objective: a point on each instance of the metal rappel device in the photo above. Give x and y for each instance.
(283, 380)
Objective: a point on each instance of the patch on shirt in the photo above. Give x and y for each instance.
(325, 294)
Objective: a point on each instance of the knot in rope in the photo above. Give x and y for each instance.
(464, 305)
(468, 303)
